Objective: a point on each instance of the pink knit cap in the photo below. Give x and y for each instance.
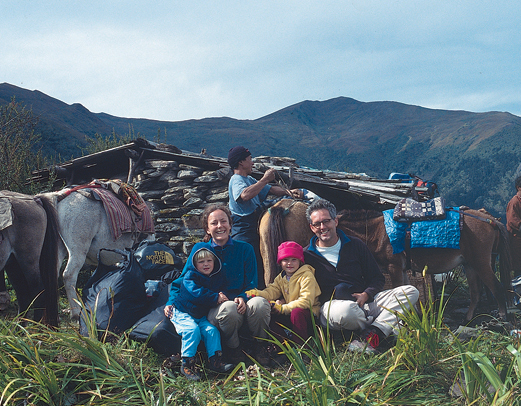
(290, 249)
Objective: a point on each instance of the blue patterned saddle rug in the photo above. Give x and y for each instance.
(443, 233)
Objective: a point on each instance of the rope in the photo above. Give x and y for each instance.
(281, 182)
(486, 220)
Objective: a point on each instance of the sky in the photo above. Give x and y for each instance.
(178, 60)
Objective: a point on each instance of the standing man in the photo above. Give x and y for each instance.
(351, 282)
(513, 227)
(246, 198)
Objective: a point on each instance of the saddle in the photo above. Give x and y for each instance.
(126, 210)
(409, 210)
(6, 212)
(6, 207)
(126, 193)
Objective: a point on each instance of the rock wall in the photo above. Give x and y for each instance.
(177, 195)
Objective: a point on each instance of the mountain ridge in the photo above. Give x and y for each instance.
(451, 147)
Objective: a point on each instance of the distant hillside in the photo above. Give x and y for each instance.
(472, 156)
(63, 127)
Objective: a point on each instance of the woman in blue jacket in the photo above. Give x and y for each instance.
(239, 269)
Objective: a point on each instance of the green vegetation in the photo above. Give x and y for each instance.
(102, 143)
(40, 366)
(420, 344)
(18, 155)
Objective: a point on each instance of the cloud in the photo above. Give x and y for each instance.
(179, 60)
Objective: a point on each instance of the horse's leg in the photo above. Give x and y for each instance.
(478, 241)
(70, 277)
(5, 252)
(396, 269)
(80, 220)
(396, 275)
(25, 269)
(264, 247)
(474, 291)
(3, 287)
(5, 299)
(19, 284)
(24, 275)
(487, 276)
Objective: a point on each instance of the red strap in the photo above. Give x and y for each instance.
(67, 192)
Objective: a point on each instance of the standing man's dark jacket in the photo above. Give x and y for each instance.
(356, 268)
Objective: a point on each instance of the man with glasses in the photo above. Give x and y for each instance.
(351, 282)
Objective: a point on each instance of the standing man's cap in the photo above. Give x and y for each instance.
(236, 155)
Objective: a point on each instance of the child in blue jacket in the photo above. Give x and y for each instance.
(198, 293)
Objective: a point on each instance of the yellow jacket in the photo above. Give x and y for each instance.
(301, 290)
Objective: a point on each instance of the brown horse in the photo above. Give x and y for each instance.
(480, 237)
(29, 253)
(290, 215)
(284, 221)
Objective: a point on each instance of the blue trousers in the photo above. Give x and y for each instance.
(192, 331)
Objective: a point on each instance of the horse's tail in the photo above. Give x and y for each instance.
(276, 236)
(505, 258)
(49, 261)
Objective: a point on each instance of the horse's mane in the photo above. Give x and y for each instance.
(277, 234)
(360, 214)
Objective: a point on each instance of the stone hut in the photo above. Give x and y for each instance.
(177, 185)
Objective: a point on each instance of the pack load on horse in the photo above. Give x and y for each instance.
(95, 216)
(480, 236)
(29, 253)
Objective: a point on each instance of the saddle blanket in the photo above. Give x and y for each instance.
(424, 234)
(6, 213)
(121, 218)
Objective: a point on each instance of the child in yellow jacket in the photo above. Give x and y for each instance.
(293, 292)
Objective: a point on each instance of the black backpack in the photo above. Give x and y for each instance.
(154, 328)
(115, 297)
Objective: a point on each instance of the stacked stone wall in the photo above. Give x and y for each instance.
(177, 195)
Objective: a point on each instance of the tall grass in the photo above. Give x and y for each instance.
(320, 374)
(495, 381)
(423, 335)
(317, 375)
(40, 366)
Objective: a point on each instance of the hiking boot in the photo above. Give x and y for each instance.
(261, 354)
(188, 369)
(233, 355)
(361, 347)
(368, 343)
(216, 364)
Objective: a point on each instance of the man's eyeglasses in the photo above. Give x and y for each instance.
(319, 223)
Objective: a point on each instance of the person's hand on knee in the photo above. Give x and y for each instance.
(241, 305)
(361, 298)
(222, 298)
